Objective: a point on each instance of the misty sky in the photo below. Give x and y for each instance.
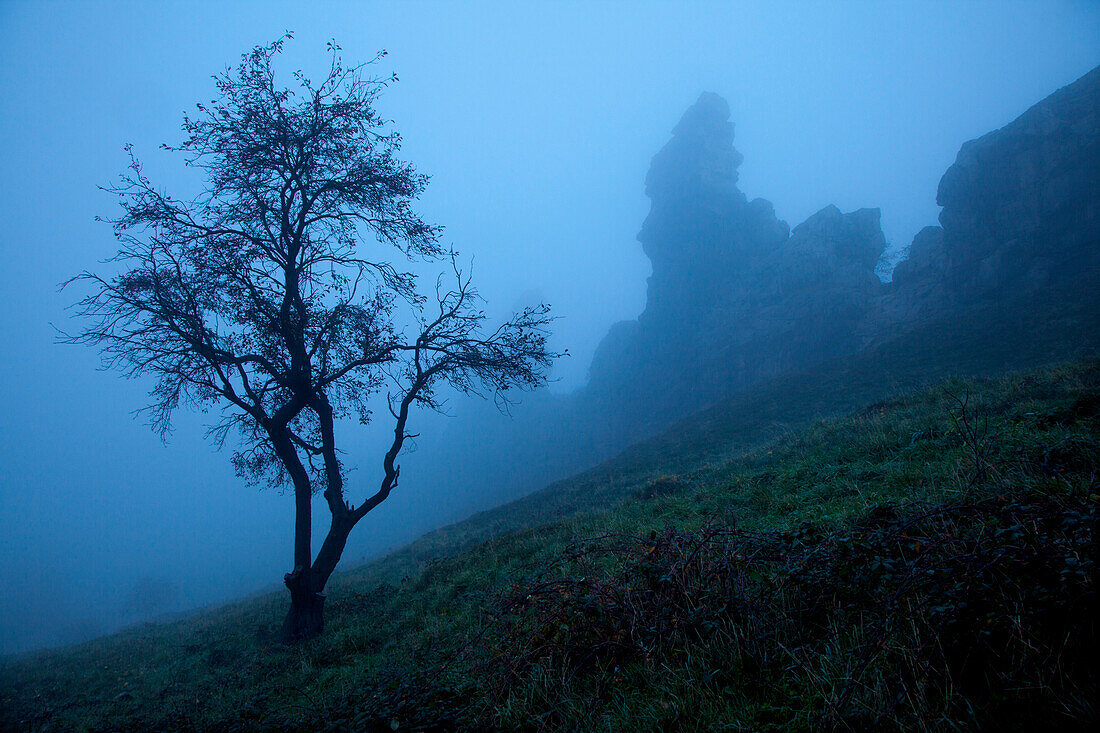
(536, 121)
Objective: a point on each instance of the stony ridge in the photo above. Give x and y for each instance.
(736, 296)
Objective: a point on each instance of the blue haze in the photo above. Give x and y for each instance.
(536, 122)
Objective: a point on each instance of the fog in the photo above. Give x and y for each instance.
(536, 123)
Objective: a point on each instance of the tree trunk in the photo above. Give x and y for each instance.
(306, 617)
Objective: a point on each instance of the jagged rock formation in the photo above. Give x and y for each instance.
(916, 292)
(1021, 209)
(735, 296)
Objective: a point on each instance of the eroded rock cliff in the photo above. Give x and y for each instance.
(736, 296)
(1021, 206)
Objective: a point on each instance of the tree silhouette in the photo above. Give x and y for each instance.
(269, 295)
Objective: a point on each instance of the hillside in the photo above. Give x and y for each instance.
(903, 566)
(840, 539)
(739, 300)
(1025, 332)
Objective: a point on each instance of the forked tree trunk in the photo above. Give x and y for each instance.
(306, 616)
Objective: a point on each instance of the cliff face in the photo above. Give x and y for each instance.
(736, 296)
(1021, 206)
(701, 234)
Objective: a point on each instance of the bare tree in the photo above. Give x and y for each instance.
(270, 296)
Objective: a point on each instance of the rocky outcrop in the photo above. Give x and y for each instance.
(926, 261)
(827, 286)
(735, 296)
(916, 292)
(702, 235)
(1021, 207)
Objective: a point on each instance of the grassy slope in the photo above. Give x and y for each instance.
(399, 652)
(1023, 334)
(393, 622)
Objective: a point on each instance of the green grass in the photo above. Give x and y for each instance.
(436, 643)
(1027, 332)
(442, 634)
